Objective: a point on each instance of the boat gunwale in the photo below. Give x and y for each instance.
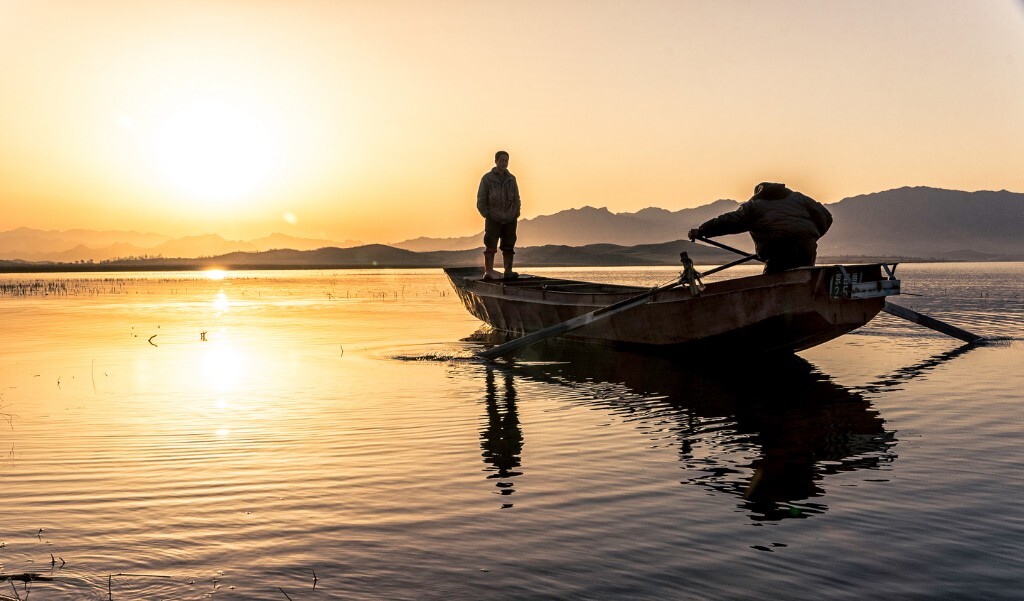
(527, 282)
(602, 294)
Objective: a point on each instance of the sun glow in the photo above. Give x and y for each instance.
(217, 152)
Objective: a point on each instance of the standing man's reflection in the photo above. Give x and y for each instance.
(501, 439)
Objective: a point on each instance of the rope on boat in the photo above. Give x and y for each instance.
(690, 276)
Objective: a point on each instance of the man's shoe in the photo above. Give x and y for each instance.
(511, 275)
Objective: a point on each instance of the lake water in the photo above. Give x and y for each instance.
(328, 435)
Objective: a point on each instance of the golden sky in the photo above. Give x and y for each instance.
(374, 120)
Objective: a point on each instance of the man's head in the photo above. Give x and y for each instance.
(501, 159)
(769, 190)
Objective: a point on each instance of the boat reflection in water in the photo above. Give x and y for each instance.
(767, 432)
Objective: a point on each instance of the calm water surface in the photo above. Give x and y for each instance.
(328, 435)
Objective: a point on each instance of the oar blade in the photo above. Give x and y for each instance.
(930, 322)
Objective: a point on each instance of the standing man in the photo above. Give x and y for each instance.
(497, 199)
(785, 226)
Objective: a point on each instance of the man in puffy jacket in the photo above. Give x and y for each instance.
(497, 199)
(785, 226)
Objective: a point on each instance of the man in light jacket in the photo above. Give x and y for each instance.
(497, 200)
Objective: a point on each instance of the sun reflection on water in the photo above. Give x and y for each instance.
(222, 365)
(220, 302)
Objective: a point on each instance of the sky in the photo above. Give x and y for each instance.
(374, 120)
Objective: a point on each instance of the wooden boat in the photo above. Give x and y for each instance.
(782, 312)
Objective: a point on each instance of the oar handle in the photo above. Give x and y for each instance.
(728, 265)
(729, 248)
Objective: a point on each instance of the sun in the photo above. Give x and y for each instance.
(217, 152)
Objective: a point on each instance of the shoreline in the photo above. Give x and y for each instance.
(192, 265)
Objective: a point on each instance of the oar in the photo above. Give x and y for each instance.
(728, 265)
(729, 248)
(930, 322)
(891, 309)
(575, 322)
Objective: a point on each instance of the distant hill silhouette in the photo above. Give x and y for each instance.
(920, 222)
(33, 244)
(928, 222)
(369, 255)
(85, 245)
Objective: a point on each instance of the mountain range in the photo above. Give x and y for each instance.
(911, 222)
(71, 246)
(907, 222)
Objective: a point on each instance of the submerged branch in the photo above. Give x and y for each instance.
(26, 577)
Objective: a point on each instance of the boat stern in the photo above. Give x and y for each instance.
(858, 282)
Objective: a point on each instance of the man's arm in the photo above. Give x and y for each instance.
(733, 222)
(518, 201)
(482, 205)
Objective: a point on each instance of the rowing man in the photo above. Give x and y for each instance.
(785, 226)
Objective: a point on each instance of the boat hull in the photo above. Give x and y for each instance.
(784, 312)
